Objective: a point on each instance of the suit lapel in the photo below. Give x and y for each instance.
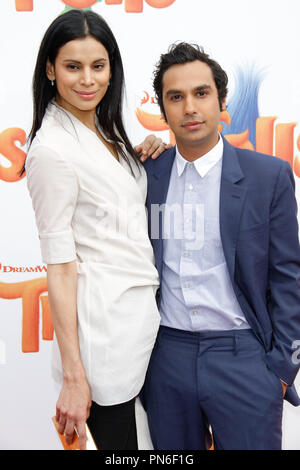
(232, 197)
(161, 177)
(158, 184)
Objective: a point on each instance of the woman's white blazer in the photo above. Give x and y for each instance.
(90, 208)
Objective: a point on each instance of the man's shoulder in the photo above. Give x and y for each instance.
(260, 166)
(164, 159)
(259, 160)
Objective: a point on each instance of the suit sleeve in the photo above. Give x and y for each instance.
(284, 277)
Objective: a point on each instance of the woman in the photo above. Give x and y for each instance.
(88, 190)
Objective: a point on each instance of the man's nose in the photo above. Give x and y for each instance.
(190, 105)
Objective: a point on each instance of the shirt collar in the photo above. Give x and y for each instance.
(202, 164)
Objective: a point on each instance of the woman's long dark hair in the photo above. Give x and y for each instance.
(72, 25)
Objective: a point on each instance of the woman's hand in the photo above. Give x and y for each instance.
(74, 402)
(73, 409)
(152, 146)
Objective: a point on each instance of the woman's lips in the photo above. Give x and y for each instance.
(86, 95)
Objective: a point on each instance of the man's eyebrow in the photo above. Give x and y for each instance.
(197, 88)
(173, 92)
(203, 87)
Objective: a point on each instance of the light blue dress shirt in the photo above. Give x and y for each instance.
(196, 291)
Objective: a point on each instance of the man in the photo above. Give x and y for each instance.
(224, 230)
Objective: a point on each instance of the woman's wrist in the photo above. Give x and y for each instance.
(74, 374)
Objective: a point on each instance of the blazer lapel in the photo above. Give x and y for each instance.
(232, 197)
(161, 177)
(158, 184)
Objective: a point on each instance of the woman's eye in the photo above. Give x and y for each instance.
(72, 67)
(98, 66)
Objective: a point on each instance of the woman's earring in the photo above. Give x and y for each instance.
(52, 82)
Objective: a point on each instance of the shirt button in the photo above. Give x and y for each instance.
(195, 312)
(187, 285)
(191, 187)
(187, 220)
(186, 254)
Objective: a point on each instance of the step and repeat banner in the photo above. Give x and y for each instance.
(255, 41)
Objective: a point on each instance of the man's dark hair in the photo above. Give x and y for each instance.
(181, 54)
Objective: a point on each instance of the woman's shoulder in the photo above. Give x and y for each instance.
(55, 138)
(53, 135)
(44, 165)
(44, 153)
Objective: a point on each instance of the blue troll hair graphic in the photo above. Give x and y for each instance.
(243, 104)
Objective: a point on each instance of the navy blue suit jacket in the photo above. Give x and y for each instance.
(259, 233)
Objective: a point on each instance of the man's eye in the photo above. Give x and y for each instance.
(175, 97)
(201, 93)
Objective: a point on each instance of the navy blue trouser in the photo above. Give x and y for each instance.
(212, 378)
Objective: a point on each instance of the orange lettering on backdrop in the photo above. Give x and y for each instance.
(24, 5)
(136, 6)
(160, 3)
(284, 135)
(156, 123)
(47, 325)
(79, 3)
(131, 6)
(284, 142)
(264, 134)
(240, 140)
(29, 292)
(152, 122)
(15, 155)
